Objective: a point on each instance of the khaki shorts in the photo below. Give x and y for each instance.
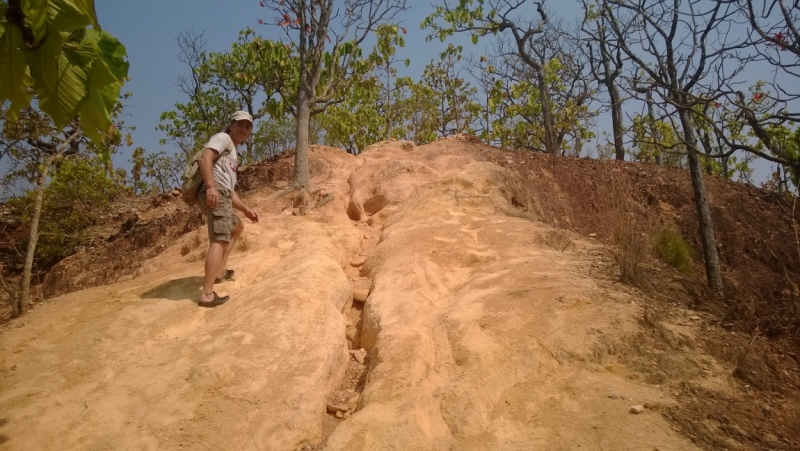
(221, 220)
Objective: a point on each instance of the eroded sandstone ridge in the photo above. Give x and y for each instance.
(481, 328)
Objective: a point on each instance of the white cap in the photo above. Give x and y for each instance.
(241, 115)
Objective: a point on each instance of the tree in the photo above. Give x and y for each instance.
(769, 112)
(274, 136)
(57, 50)
(676, 45)
(322, 76)
(455, 110)
(155, 171)
(657, 141)
(514, 98)
(373, 109)
(605, 64)
(417, 108)
(469, 17)
(36, 145)
(383, 57)
(483, 70)
(215, 88)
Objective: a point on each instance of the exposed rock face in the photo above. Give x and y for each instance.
(483, 329)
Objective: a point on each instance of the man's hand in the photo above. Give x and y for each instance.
(212, 197)
(251, 215)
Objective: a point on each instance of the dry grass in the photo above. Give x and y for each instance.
(556, 239)
(633, 230)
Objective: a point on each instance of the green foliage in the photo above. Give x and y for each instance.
(274, 136)
(78, 193)
(655, 140)
(785, 139)
(220, 83)
(57, 50)
(517, 109)
(453, 96)
(358, 121)
(671, 247)
(155, 171)
(373, 109)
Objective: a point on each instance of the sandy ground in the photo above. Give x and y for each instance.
(483, 329)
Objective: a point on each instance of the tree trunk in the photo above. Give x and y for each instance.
(547, 120)
(713, 271)
(33, 237)
(302, 177)
(388, 102)
(616, 120)
(659, 157)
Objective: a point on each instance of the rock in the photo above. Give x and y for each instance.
(281, 184)
(359, 355)
(333, 408)
(613, 396)
(176, 192)
(346, 415)
(360, 294)
(352, 403)
(637, 409)
(358, 261)
(339, 414)
(350, 332)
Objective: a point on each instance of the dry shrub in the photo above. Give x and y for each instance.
(633, 230)
(556, 239)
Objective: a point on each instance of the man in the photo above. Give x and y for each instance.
(217, 199)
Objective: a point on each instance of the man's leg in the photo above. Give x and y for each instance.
(236, 233)
(213, 264)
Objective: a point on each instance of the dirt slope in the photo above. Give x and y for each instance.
(483, 327)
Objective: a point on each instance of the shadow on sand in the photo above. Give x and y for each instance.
(183, 289)
(3, 438)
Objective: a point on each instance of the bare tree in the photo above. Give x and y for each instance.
(681, 47)
(503, 16)
(774, 42)
(605, 64)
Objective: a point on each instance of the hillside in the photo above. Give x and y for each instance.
(444, 297)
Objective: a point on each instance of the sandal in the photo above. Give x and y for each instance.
(228, 276)
(215, 302)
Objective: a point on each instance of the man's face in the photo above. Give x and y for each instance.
(240, 130)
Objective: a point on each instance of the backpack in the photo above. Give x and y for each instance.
(193, 178)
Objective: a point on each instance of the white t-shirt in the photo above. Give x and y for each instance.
(225, 167)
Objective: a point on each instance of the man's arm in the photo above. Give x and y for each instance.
(239, 205)
(206, 162)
